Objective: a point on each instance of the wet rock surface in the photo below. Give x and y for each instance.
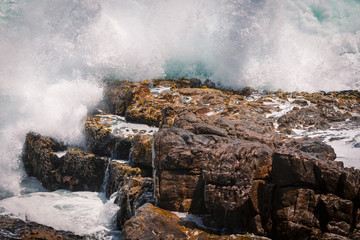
(137, 192)
(229, 155)
(119, 175)
(77, 170)
(12, 228)
(101, 141)
(151, 222)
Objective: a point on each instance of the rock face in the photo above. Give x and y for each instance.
(76, 170)
(11, 228)
(248, 177)
(137, 192)
(119, 175)
(152, 222)
(142, 151)
(218, 153)
(100, 140)
(224, 154)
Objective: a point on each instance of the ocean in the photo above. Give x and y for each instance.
(56, 54)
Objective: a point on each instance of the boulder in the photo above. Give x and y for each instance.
(119, 175)
(12, 228)
(101, 141)
(229, 173)
(131, 196)
(77, 170)
(118, 96)
(142, 150)
(179, 157)
(318, 117)
(151, 222)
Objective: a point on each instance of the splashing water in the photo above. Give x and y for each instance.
(54, 53)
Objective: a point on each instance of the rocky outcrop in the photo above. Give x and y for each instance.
(118, 96)
(142, 151)
(137, 192)
(152, 222)
(77, 170)
(217, 153)
(12, 228)
(179, 159)
(101, 141)
(315, 117)
(119, 175)
(247, 176)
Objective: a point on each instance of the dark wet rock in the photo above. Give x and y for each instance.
(210, 84)
(247, 91)
(131, 196)
(298, 169)
(332, 236)
(151, 222)
(80, 171)
(229, 172)
(179, 158)
(12, 228)
(119, 175)
(77, 170)
(301, 102)
(195, 83)
(296, 209)
(101, 141)
(118, 96)
(317, 117)
(218, 154)
(339, 213)
(246, 176)
(142, 150)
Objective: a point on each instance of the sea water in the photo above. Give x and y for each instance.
(55, 54)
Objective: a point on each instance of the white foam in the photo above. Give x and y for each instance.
(158, 90)
(120, 127)
(83, 213)
(343, 137)
(61, 153)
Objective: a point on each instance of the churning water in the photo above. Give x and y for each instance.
(54, 54)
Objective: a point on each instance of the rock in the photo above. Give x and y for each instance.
(298, 169)
(301, 102)
(101, 141)
(142, 150)
(247, 91)
(318, 117)
(210, 84)
(179, 158)
(294, 231)
(118, 95)
(77, 170)
(338, 213)
(229, 173)
(137, 192)
(332, 236)
(293, 169)
(12, 228)
(151, 222)
(119, 175)
(297, 213)
(80, 171)
(219, 154)
(195, 83)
